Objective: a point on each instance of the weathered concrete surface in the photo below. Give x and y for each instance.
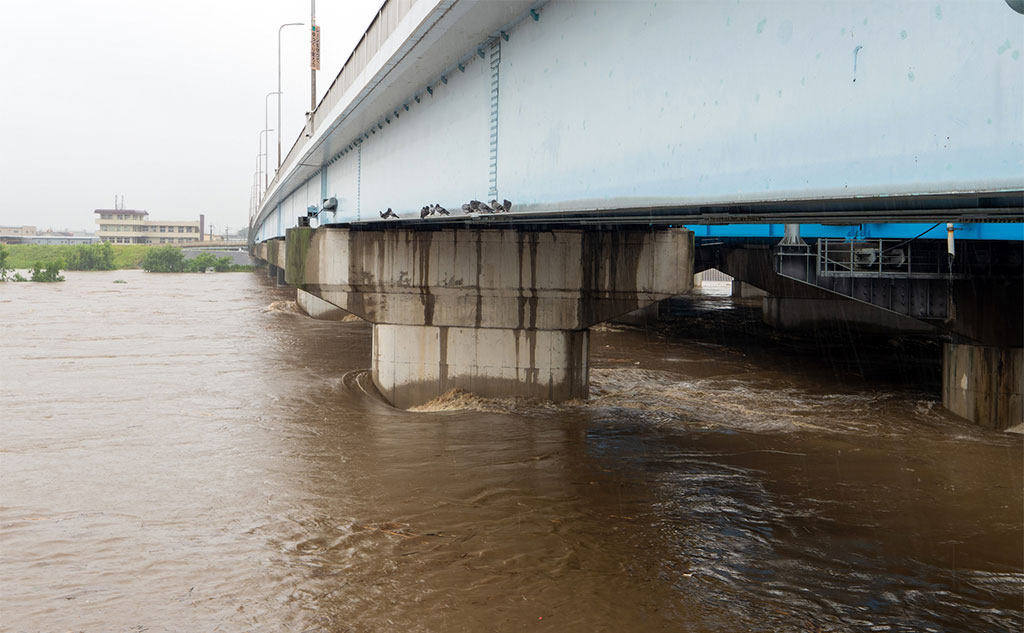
(498, 312)
(238, 257)
(413, 364)
(795, 313)
(644, 316)
(984, 384)
(743, 290)
(319, 309)
(549, 280)
(274, 254)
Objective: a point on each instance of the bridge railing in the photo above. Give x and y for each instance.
(383, 25)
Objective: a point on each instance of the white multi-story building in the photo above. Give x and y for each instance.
(127, 226)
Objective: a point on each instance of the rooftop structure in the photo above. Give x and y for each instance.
(17, 230)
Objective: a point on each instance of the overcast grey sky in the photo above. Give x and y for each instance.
(162, 102)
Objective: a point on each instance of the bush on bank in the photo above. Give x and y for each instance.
(91, 257)
(170, 259)
(47, 272)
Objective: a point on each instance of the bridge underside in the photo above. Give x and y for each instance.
(625, 112)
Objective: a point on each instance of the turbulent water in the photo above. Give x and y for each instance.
(191, 453)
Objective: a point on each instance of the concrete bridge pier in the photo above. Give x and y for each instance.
(983, 368)
(273, 252)
(277, 274)
(984, 384)
(413, 364)
(496, 312)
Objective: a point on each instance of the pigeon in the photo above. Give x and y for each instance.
(497, 207)
(485, 209)
(474, 205)
(424, 212)
(388, 214)
(466, 208)
(507, 205)
(441, 210)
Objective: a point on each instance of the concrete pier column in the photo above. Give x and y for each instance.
(413, 364)
(984, 384)
(497, 312)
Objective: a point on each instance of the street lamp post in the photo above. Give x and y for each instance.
(279, 29)
(266, 123)
(264, 150)
(255, 193)
(259, 172)
(259, 193)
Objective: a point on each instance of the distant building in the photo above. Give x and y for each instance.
(17, 230)
(126, 226)
(29, 235)
(16, 234)
(57, 238)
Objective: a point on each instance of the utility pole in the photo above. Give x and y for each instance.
(314, 56)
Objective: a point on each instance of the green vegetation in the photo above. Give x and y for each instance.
(121, 255)
(165, 259)
(40, 272)
(104, 256)
(46, 272)
(91, 257)
(169, 259)
(3, 263)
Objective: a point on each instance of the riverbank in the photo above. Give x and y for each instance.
(26, 255)
(124, 256)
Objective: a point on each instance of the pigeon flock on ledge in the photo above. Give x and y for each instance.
(473, 206)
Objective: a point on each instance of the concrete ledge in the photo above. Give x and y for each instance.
(984, 384)
(413, 364)
(501, 278)
(743, 290)
(642, 317)
(318, 308)
(793, 313)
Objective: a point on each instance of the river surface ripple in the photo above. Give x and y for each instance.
(189, 453)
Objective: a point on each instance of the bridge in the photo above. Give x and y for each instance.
(832, 155)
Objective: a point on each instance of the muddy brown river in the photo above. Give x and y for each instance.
(190, 453)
